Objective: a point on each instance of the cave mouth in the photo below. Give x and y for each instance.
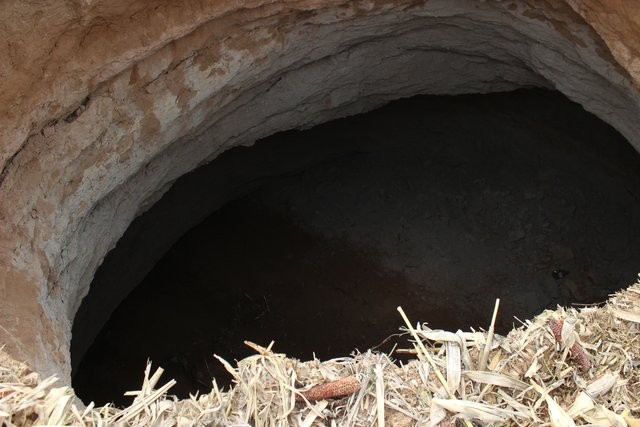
(439, 204)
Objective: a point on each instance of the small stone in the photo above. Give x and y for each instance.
(49, 131)
(559, 274)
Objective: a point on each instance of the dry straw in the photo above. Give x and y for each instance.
(530, 377)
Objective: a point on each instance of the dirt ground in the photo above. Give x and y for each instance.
(438, 204)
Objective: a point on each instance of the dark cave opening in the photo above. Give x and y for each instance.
(438, 204)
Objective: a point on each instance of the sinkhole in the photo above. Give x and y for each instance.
(439, 204)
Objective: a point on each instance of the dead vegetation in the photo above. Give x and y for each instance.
(565, 367)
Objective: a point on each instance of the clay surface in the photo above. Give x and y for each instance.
(104, 104)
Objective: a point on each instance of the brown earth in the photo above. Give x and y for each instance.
(104, 104)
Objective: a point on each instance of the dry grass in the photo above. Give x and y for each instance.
(530, 377)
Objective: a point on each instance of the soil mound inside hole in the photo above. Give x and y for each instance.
(438, 204)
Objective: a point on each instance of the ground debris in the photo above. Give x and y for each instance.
(530, 379)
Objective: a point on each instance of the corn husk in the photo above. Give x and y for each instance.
(478, 411)
(602, 385)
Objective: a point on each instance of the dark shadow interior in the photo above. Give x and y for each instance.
(438, 204)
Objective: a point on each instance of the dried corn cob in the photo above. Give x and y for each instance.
(333, 389)
(576, 352)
